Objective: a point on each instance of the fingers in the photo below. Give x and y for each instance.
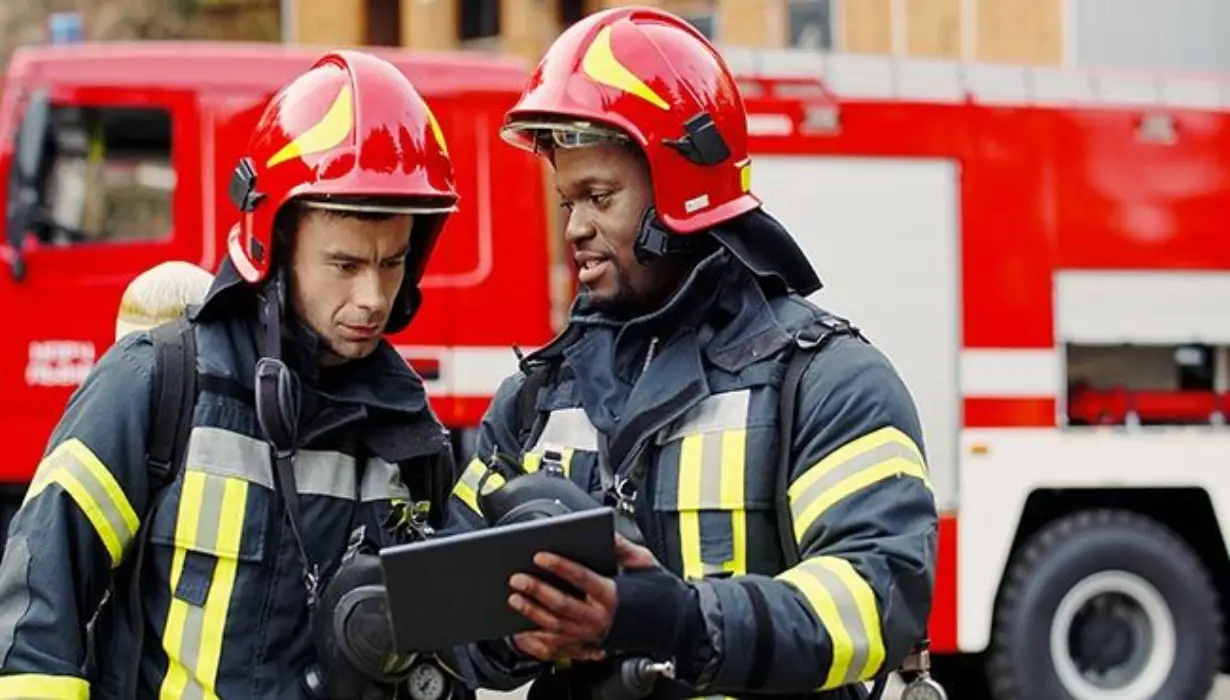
(598, 588)
(555, 601)
(632, 556)
(552, 610)
(536, 644)
(547, 619)
(547, 646)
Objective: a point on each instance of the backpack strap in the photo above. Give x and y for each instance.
(175, 392)
(538, 375)
(172, 400)
(807, 343)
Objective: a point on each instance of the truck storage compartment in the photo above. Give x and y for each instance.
(1147, 384)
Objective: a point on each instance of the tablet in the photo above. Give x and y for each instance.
(454, 590)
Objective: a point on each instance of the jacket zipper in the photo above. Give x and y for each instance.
(654, 538)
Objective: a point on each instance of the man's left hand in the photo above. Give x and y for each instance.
(569, 626)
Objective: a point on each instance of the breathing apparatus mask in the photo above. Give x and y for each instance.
(350, 627)
(547, 493)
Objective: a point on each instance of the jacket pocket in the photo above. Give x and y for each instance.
(212, 526)
(710, 490)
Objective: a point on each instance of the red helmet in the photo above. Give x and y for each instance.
(654, 78)
(350, 134)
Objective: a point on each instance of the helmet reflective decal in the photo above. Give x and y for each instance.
(600, 64)
(435, 128)
(330, 131)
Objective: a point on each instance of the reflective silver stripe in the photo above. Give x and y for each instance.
(229, 454)
(719, 412)
(382, 482)
(317, 472)
(568, 427)
(855, 464)
(881, 454)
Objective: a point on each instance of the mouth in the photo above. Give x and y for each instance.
(355, 333)
(591, 267)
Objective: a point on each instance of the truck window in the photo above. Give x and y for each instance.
(106, 175)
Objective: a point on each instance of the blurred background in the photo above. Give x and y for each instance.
(1138, 34)
(1024, 202)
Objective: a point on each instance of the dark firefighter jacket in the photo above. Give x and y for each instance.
(224, 603)
(693, 388)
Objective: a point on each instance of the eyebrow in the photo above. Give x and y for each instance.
(589, 182)
(340, 256)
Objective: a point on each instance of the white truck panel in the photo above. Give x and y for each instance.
(1143, 307)
(883, 235)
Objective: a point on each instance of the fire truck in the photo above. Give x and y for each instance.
(120, 155)
(1044, 254)
(1040, 251)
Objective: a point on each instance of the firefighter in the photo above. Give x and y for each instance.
(221, 573)
(160, 294)
(661, 399)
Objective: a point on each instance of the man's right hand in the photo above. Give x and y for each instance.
(553, 646)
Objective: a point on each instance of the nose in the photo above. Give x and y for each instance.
(579, 227)
(368, 293)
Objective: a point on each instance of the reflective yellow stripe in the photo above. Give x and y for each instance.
(846, 608)
(690, 454)
(193, 635)
(860, 463)
(532, 461)
(472, 479)
(711, 477)
(92, 487)
(29, 685)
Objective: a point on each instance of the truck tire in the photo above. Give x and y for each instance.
(1105, 604)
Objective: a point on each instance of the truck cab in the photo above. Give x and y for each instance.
(117, 157)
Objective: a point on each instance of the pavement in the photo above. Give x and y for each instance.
(1221, 691)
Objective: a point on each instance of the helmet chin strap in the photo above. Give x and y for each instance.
(274, 301)
(276, 385)
(654, 240)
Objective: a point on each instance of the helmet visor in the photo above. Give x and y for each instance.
(544, 136)
(377, 205)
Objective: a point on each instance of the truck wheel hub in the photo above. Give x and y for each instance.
(1113, 638)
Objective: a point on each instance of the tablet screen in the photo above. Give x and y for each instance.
(454, 590)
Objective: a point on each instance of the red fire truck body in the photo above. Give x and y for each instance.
(1041, 252)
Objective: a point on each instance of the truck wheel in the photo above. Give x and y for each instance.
(1104, 605)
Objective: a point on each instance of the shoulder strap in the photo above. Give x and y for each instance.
(175, 379)
(807, 342)
(538, 374)
(173, 398)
